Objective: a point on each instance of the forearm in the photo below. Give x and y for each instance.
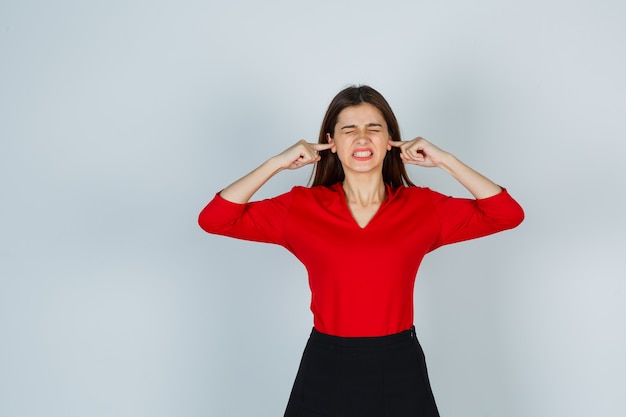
(244, 188)
(476, 183)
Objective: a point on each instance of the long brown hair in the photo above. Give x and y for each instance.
(328, 170)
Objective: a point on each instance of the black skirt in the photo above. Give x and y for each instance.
(362, 377)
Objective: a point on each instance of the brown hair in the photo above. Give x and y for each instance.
(328, 170)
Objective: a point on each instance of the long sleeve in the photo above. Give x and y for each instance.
(463, 219)
(261, 221)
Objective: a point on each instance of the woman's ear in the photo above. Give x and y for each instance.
(331, 141)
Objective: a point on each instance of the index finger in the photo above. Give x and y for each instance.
(321, 146)
(396, 143)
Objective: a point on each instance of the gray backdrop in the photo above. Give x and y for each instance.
(119, 120)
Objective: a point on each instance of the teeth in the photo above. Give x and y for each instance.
(362, 154)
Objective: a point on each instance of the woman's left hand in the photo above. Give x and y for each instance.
(419, 152)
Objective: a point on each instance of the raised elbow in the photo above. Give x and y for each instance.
(516, 216)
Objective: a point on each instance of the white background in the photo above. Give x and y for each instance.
(119, 120)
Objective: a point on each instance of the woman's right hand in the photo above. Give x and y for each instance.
(296, 156)
(301, 154)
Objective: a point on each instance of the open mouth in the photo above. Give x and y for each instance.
(362, 154)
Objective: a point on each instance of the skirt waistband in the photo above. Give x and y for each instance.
(359, 342)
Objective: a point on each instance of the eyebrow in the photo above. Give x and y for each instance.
(368, 125)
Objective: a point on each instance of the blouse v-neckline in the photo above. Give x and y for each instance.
(346, 205)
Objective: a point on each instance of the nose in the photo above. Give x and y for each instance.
(362, 136)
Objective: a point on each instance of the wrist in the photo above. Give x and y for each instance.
(274, 164)
(448, 162)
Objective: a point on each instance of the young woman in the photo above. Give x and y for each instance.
(361, 230)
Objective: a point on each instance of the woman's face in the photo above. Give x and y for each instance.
(361, 138)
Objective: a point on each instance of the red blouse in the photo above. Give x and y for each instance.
(361, 278)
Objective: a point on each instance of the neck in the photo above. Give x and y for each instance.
(365, 192)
